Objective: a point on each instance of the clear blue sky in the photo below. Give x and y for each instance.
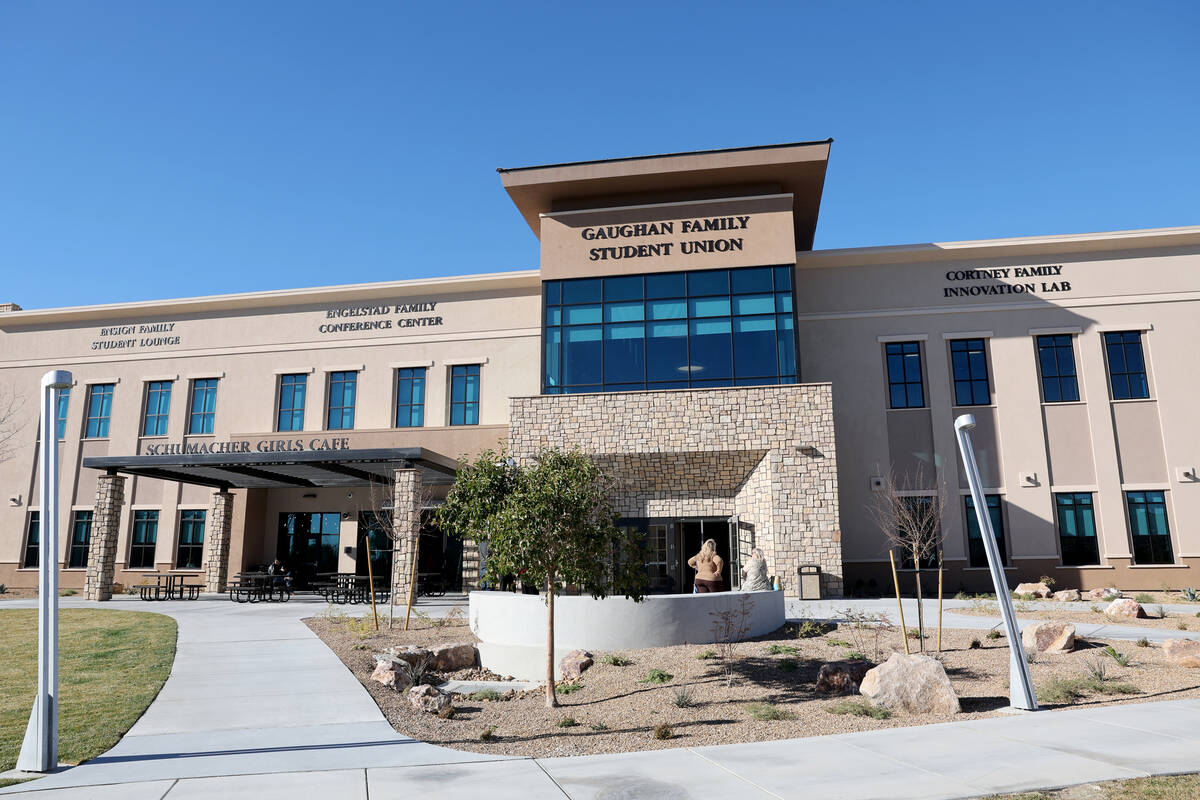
(159, 149)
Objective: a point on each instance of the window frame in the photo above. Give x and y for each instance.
(292, 410)
(1076, 507)
(417, 379)
(187, 520)
(1053, 342)
(60, 413)
(204, 418)
(161, 417)
(887, 371)
(1126, 374)
(972, 379)
(96, 425)
(1001, 534)
(32, 550)
(466, 405)
(78, 550)
(138, 551)
(337, 377)
(1153, 543)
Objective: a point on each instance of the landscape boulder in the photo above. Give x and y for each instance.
(1068, 596)
(1049, 637)
(428, 698)
(389, 673)
(574, 664)
(1107, 593)
(409, 653)
(453, 657)
(913, 683)
(1183, 652)
(841, 676)
(1125, 607)
(1036, 589)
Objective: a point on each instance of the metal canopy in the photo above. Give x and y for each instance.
(283, 470)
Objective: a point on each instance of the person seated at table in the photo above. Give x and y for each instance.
(281, 576)
(708, 566)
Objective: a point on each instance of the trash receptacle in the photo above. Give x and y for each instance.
(810, 582)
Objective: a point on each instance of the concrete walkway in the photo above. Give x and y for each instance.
(256, 706)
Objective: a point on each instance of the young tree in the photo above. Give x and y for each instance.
(11, 422)
(551, 520)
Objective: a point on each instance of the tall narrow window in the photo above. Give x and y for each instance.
(33, 540)
(191, 538)
(60, 417)
(293, 390)
(203, 408)
(144, 539)
(968, 360)
(975, 535)
(464, 394)
(1126, 365)
(99, 407)
(1077, 528)
(81, 537)
(410, 397)
(1148, 524)
(906, 386)
(158, 406)
(1056, 360)
(343, 387)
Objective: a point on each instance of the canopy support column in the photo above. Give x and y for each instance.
(220, 522)
(102, 548)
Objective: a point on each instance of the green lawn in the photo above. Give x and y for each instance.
(111, 665)
(1174, 787)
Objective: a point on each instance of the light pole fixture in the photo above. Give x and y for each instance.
(1020, 685)
(39, 750)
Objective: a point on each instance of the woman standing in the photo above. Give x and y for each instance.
(708, 566)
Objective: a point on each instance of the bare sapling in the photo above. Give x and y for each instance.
(730, 628)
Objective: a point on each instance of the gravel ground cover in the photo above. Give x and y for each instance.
(617, 709)
(1172, 787)
(1158, 618)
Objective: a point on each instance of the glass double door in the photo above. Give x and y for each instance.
(691, 534)
(308, 544)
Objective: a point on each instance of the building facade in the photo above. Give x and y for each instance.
(738, 385)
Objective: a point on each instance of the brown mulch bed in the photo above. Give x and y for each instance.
(615, 710)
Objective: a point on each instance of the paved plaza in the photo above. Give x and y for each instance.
(257, 706)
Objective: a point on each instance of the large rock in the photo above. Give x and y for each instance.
(841, 676)
(574, 663)
(428, 698)
(410, 653)
(1107, 593)
(1183, 652)
(1049, 637)
(453, 657)
(1125, 608)
(388, 672)
(913, 683)
(1068, 596)
(1036, 589)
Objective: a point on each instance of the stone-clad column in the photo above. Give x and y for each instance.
(102, 549)
(220, 520)
(406, 527)
(470, 565)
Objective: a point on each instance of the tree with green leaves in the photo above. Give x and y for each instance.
(548, 521)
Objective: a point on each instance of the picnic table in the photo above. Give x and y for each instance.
(170, 586)
(255, 587)
(348, 587)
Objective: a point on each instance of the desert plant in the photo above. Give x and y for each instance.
(1143, 642)
(866, 630)
(729, 629)
(360, 646)
(1156, 611)
(1060, 691)
(447, 713)
(859, 707)
(1116, 655)
(614, 660)
(976, 644)
(68, 592)
(657, 676)
(569, 687)
(567, 722)
(1031, 656)
(1143, 598)
(683, 697)
(1024, 597)
(1108, 687)
(782, 649)
(788, 664)
(913, 633)
(1190, 594)
(1180, 624)
(705, 655)
(1049, 581)
(766, 712)
(838, 643)
(488, 734)
(419, 671)
(3, 588)
(486, 695)
(663, 731)
(1096, 669)
(995, 634)
(808, 629)
(855, 655)
(1096, 609)
(598, 726)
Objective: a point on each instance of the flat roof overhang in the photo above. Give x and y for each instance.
(306, 470)
(797, 168)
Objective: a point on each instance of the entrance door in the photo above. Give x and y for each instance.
(373, 536)
(308, 544)
(692, 535)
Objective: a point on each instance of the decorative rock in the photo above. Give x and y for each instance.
(1125, 608)
(1184, 652)
(1036, 589)
(409, 653)
(387, 674)
(1068, 596)
(574, 664)
(913, 683)
(841, 676)
(428, 698)
(1108, 593)
(453, 657)
(1049, 637)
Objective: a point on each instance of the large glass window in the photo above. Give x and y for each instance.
(410, 397)
(464, 394)
(1126, 365)
(1077, 528)
(158, 407)
(906, 383)
(670, 331)
(293, 390)
(33, 540)
(1148, 524)
(191, 538)
(968, 360)
(81, 537)
(60, 417)
(343, 389)
(203, 406)
(99, 407)
(975, 536)
(143, 540)
(1056, 360)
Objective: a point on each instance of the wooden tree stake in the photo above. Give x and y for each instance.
(900, 605)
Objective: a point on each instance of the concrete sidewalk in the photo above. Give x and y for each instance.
(257, 706)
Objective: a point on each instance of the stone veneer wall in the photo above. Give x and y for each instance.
(766, 453)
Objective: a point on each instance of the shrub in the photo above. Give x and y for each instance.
(788, 664)
(598, 726)
(1143, 598)
(418, 671)
(1046, 579)
(3, 588)
(447, 713)
(1157, 611)
(1060, 691)
(568, 687)
(567, 722)
(1026, 596)
(683, 697)
(487, 695)
(1108, 687)
(859, 708)
(976, 644)
(706, 655)
(1190, 594)
(663, 731)
(866, 630)
(488, 734)
(1117, 655)
(913, 633)
(838, 643)
(360, 646)
(1181, 625)
(995, 634)
(854, 655)
(657, 676)
(730, 628)
(807, 629)
(1097, 670)
(1031, 656)
(67, 592)
(766, 712)
(1143, 642)
(614, 660)
(782, 649)
(1096, 609)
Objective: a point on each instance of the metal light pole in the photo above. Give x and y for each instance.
(39, 750)
(1020, 685)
